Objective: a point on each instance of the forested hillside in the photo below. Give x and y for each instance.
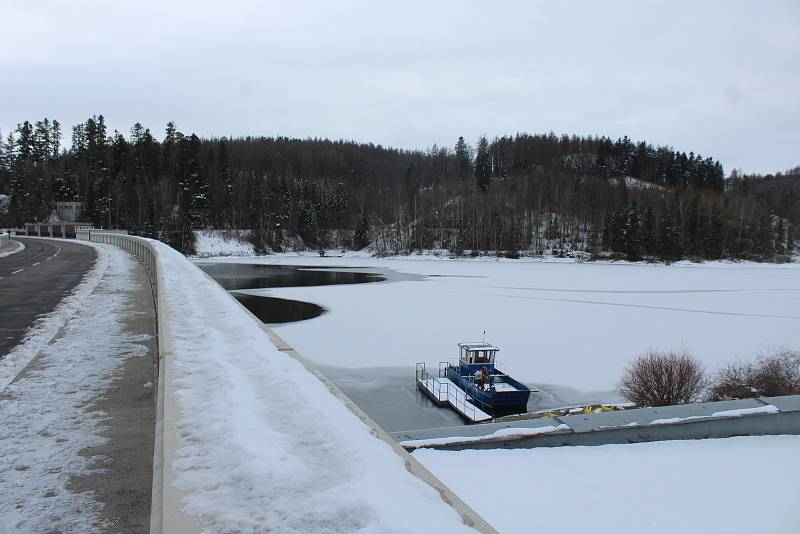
(528, 194)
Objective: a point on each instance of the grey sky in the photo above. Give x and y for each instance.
(720, 78)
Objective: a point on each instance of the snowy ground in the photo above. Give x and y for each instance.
(742, 484)
(564, 323)
(261, 441)
(49, 325)
(44, 418)
(222, 243)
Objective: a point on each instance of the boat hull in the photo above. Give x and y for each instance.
(497, 403)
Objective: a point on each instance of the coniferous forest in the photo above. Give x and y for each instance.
(511, 195)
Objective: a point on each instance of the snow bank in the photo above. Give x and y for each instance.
(211, 243)
(509, 433)
(46, 422)
(262, 442)
(14, 246)
(48, 325)
(741, 484)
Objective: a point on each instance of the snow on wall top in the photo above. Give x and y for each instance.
(261, 440)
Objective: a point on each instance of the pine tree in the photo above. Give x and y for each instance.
(483, 165)
(631, 235)
(672, 234)
(193, 185)
(361, 236)
(224, 173)
(462, 157)
(649, 244)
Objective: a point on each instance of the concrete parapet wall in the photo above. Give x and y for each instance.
(167, 513)
(746, 417)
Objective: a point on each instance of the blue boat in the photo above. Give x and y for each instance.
(488, 388)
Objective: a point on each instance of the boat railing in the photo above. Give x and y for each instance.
(443, 390)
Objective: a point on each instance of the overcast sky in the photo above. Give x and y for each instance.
(719, 78)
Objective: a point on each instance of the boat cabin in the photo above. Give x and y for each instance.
(473, 356)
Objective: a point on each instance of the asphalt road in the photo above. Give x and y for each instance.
(34, 281)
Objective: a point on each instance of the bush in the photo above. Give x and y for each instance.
(772, 375)
(660, 378)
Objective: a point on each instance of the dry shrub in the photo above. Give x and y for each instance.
(658, 378)
(772, 375)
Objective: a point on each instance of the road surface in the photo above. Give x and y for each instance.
(33, 282)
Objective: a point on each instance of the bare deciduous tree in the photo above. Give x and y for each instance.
(771, 375)
(658, 378)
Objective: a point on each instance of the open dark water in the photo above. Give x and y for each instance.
(272, 310)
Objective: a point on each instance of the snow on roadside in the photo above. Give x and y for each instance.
(262, 442)
(48, 325)
(213, 243)
(44, 422)
(19, 246)
(741, 484)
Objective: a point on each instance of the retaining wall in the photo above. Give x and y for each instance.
(689, 421)
(166, 508)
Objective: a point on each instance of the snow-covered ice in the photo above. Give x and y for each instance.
(263, 442)
(741, 484)
(44, 417)
(567, 323)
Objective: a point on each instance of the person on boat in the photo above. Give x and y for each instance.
(484, 379)
(479, 378)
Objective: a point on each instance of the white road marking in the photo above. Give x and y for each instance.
(17, 271)
(35, 264)
(49, 258)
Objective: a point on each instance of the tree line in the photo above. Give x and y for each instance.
(509, 195)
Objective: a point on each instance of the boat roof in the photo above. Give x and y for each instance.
(477, 345)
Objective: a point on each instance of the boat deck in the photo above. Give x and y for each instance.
(502, 386)
(444, 391)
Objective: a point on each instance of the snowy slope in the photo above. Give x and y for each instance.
(262, 442)
(743, 484)
(211, 243)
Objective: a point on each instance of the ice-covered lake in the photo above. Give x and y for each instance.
(574, 325)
